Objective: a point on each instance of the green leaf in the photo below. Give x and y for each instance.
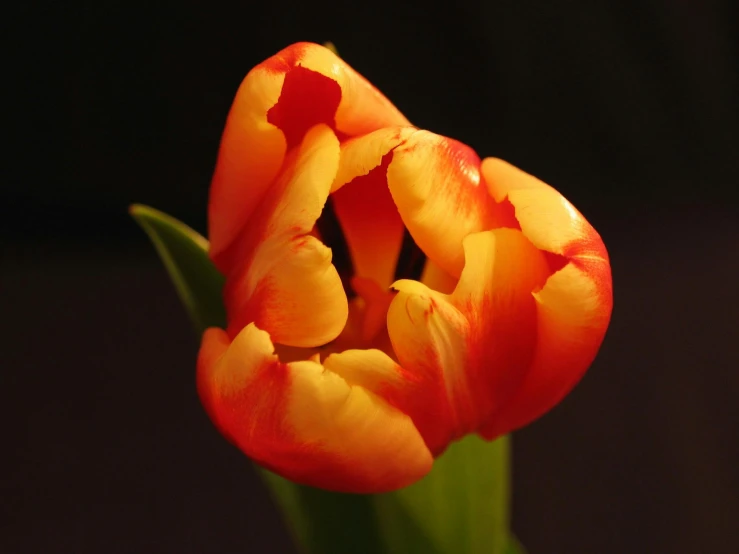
(460, 507)
(515, 547)
(185, 255)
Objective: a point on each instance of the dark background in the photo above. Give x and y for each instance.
(630, 108)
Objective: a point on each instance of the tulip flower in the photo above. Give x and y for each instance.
(387, 291)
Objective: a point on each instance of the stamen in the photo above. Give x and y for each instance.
(410, 260)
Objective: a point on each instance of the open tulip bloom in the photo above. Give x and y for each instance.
(386, 292)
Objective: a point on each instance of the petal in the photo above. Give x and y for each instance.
(435, 183)
(363, 108)
(573, 311)
(250, 156)
(428, 335)
(286, 282)
(298, 295)
(546, 218)
(366, 212)
(303, 420)
(573, 307)
(278, 101)
(478, 342)
(495, 292)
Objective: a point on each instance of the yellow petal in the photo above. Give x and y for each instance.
(546, 217)
(251, 154)
(435, 182)
(304, 421)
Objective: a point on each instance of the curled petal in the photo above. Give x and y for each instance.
(573, 311)
(573, 308)
(251, 154)
(278, 101)
(298, 295)
(435, 182)
(429, 337)
(362, 108)
(546, 217)
(478, 342)
(285, 281)
(303, 420)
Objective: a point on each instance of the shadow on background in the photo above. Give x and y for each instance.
(628, 108)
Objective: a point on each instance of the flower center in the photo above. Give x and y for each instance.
(409, 265)
(366, 326)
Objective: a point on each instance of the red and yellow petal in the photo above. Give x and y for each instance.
(303, 420)
(285, 281)
(429, 337)
(435, 183)
(573, 307)
(479, 341)
(278, 101)
(546, 217)
(573, 311)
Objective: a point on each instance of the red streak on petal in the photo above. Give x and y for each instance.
(307, 99)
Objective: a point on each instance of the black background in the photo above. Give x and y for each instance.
(627, 107)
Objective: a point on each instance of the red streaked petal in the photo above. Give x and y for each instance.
(468, 352)
(286, 282)
(303, 420)
(495, 292)
(435, 183)
(573, 310)
(366, 212)
(429, 336)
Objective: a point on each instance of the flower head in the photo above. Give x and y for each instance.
(387, 292)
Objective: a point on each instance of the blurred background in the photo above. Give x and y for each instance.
(629, 108)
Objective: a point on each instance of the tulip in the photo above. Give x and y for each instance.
(387, 291)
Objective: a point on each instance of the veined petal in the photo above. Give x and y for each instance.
(429, 337)
(435, 183)
(305, 422)
(286, 282)
(471, 350)
(278, 101)
(366, 212)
